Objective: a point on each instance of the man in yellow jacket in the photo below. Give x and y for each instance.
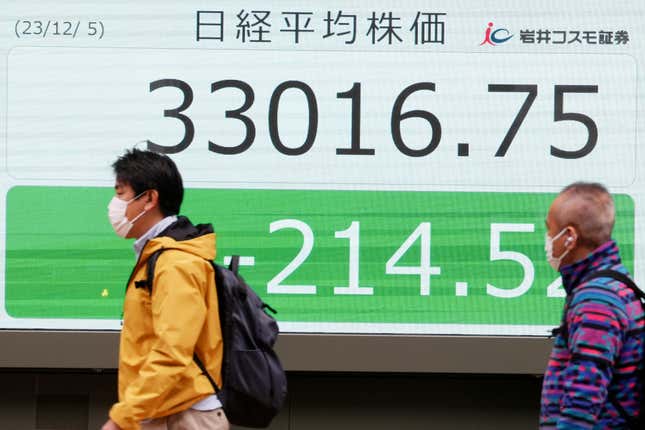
(165, 326)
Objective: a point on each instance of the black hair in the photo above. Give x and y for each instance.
(147, 170)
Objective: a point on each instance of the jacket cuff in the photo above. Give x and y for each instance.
(121, 415)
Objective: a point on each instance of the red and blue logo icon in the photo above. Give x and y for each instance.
(495, 37)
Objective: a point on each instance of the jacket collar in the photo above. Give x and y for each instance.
(183, 229)
(183, 235)
(606, 255)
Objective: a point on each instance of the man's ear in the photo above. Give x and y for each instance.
(572, 238)
(152, 200)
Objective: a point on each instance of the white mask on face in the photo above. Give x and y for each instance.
(548, 247)
(118, 219)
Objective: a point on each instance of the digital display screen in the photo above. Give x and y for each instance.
(380, 168)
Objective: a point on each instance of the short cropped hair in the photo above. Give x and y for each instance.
(590, 208)
(147, 170)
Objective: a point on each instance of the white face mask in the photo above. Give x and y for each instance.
(118, 219)
(548, 247)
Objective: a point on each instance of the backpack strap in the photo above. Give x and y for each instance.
(205, 372)
(618, 276)
(632, 422)
(626, 280)
(605, 273)
(148, 283)
(150, 271)
(233, 267)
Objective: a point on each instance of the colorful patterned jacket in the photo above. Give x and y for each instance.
(602, 354)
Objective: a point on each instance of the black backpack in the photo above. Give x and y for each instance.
(632, 423)
(254, 384)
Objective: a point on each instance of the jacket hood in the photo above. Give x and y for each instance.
(183, 235)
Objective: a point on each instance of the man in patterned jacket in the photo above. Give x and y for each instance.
(592, 379)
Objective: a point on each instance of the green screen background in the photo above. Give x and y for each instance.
(64, 261)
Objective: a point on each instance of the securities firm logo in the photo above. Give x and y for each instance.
(495, 37)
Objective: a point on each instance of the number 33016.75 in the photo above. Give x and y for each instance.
(354, 94)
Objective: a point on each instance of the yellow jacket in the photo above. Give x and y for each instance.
(157, 373)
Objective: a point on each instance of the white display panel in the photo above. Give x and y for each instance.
(448, 125)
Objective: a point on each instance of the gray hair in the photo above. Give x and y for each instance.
(590, 209)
